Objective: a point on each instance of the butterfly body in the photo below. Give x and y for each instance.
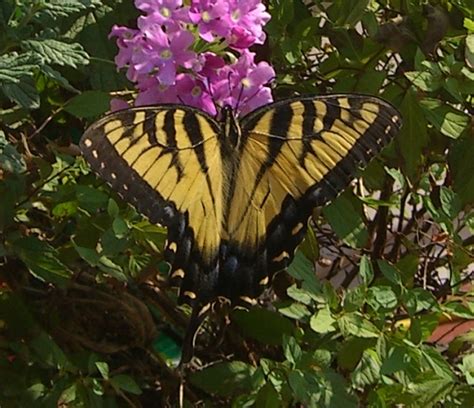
(236, 194)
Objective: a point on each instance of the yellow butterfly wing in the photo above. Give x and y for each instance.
(166, 162)
(295, 155)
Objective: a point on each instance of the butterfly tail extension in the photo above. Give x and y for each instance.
(198, 315)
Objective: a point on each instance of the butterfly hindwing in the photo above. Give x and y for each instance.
(300, 153)
(166, 162)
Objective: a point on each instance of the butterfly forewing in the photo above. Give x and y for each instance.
(166, 162)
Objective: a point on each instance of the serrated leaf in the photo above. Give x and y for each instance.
(88, 104)
(14, 67)
(58, 77)
(24, 93)
(63, 8)
(58, 52)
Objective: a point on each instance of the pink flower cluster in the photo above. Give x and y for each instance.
(196, 55)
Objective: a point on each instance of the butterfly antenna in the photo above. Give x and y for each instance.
(239, 98)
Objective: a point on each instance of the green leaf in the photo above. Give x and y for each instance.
(354, 324)
(413, 136)
(367, 371)
(449, 121)
(292, 350)
(23, 93)
(90, 198)
(58, 52)
(299, 295)
(58, 77)
(390, 272)
(425, 80)
(462, 167)
(48, 352)
(310, 246)
(299, 385)
(438, 363)
(14, 68)
(345, 214)
(397, 176)
(65, 210)
(225, 379)
(250, 321)
(103, 369)
(68, 395)
(120, 227)
(64, 8)
(382, 298)
(469, 50)
(295, 311)
(125, 383)
(112, 208)
(366, 271)
(267, 397)
(323, 322)
(88, 104)
(355, 298)
(397, 360)
(467, 368)
(418, 299)
(350, 353)
(450, 202)
(42, 260)
(303, 269)
(10, 160)
(100, 261)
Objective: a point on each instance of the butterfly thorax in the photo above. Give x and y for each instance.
(230, 126)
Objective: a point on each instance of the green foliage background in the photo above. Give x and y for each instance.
(86, 318)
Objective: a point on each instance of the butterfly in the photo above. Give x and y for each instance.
(236, 193)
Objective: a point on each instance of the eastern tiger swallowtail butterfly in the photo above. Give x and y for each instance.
(236, 193)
